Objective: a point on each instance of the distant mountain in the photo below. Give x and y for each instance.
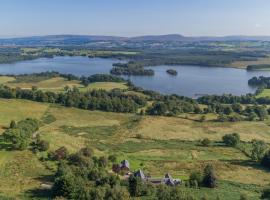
(58, 40)
(84, 39)
(164, 38)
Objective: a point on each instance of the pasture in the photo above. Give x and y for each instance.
(155, 144)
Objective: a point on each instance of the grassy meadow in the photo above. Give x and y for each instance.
(155, 144)
(58, 84)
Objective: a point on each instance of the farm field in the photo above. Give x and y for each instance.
(265, 93)
(244, 64)
(155, 144)
(58, 84)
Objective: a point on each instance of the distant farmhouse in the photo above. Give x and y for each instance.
(167, 180)
(124, 168)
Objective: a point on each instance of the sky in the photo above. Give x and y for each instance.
(134, 17)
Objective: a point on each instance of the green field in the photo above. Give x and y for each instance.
(166, 144)
(265, 93)
(104, 85)
(58, 84)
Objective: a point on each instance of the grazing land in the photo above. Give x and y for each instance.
(156, 133)
(155, 144)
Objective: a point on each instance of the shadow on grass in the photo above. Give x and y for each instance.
(40, 193)
(44, 191)
(5, 146)
(249, 163)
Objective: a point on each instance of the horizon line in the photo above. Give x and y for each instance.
(144, 35)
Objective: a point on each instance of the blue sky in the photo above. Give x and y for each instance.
(134, 17)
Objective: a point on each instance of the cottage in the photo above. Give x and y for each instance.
(124, 165)
(140, 174)
(167, 180)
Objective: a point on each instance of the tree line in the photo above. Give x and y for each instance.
(231, 99)
(131, 68)
(111, 101)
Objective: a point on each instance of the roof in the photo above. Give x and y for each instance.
(124, 163)
(168, 176)
(169, 181)
(140, 174)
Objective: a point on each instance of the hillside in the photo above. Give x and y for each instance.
(155, 144)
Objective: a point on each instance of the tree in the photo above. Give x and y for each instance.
(266, 159)
(117, 193)
(259, 148)
(103, 161)
(43, 145)
(209, 179)
(231, 140)
(86, 151)
(266, 193)
(195, 178)
(135, 186)
(20, 136)
(12, 124)
(202, 118)
(205, 142)
(172, 193)
(228, 110)
(112, 158)
(261, 112)
(61, 153)
(243, 197)
(34, 88)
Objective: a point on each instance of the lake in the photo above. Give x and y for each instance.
(191, 81)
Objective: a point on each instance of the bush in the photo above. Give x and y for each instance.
(172, 193)
(266, 159)
(20, 136)
(259, 148)
(61, 153)
(43, 145)
(209, 179)
(195, 179)
(86, 151)
(138, 136)
(231, 140)
(205, 142)
(112, 158)
(12, 124)
(266, 193)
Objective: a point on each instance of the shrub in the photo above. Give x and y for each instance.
(139, 136)
(12, 124)
(43, 145)
(86, 151)
(266, 159)
(231, 140)
(259, 148)
(195, 179)
(205, 142)
(202, 118)
(61, 153)
(266, 193)
(209, 179)
(243, 197)
(112, 158)
(172, 193)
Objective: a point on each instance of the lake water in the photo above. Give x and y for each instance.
(191, 81)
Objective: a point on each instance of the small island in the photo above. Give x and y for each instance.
(131, 68)
(172, 72)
